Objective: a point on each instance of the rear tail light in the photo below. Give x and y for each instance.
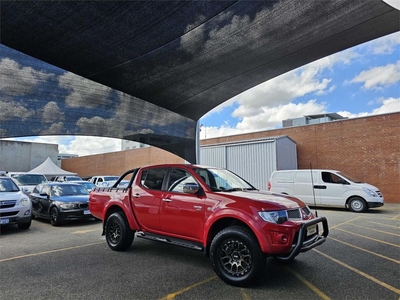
(269, 185)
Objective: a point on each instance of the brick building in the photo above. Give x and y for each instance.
(366, 148)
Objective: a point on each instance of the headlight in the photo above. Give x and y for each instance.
(68, 205)
(370, 192)
(277, 217)
(24, 201)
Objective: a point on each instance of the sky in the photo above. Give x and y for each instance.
(357, 82)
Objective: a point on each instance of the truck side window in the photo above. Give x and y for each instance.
(153, 178)
(177, 178)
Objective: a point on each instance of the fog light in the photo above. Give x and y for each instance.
(27, 213)
(282, 238)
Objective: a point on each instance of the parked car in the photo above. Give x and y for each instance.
(60, 202)
(66, 178)
(27, 181)
(15, 206)
(121, 184)
(98, 180)
(326, 188)
(88, 185)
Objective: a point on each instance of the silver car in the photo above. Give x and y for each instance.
(15, 206)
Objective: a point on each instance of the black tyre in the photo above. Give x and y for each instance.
(357, 204)
(236, 256)
(25, 225)
(54, 216)
(119, 236)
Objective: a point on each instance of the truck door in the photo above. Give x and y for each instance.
(146, 197)
(182, 213)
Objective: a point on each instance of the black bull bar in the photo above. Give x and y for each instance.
(304, 245)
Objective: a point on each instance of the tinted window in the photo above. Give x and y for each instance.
(153, 178)
(332, 178)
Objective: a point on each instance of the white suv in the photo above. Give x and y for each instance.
(27, 181)
(15, 206)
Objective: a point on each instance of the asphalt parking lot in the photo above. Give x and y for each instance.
(360, 260)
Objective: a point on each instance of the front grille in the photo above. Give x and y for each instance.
(9, 214)
(84, 205)
(379, 193)
(7, 203)
(294, 214)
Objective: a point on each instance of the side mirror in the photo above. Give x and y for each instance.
(190, 188)
(25, 190)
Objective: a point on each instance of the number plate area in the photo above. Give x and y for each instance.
(4, 221)
(311, 230)
(86, 212)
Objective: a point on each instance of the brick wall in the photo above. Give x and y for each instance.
(366, 148)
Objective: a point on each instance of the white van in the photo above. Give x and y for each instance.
(327, 188)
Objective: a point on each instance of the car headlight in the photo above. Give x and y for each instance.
(277, 217)
(24, 201)
(370, 192)
(68, 205)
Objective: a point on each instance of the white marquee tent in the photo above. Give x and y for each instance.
(48, 168)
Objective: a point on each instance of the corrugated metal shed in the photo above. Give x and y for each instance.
(254, 160)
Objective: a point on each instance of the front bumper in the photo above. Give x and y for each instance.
(305, 243)
(374, 204)
(15, 215)
(76, 214)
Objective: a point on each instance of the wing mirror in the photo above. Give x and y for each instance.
(190, 188)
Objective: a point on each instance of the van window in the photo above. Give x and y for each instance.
(332, 178)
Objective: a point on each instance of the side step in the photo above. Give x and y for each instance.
(172, 241)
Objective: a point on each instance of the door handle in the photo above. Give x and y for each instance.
(166, 200)
(320, 187)
(197, 207)
(137, 195)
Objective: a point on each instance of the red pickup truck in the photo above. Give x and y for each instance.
(207, 209)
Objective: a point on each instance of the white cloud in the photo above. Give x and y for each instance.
(387, 106)
(84, 92)
(12, 109)
(81, 145)
(268, 118)
(379, 77)
(52, 113)
(16, 80)
(381, 46)
(85, 145)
